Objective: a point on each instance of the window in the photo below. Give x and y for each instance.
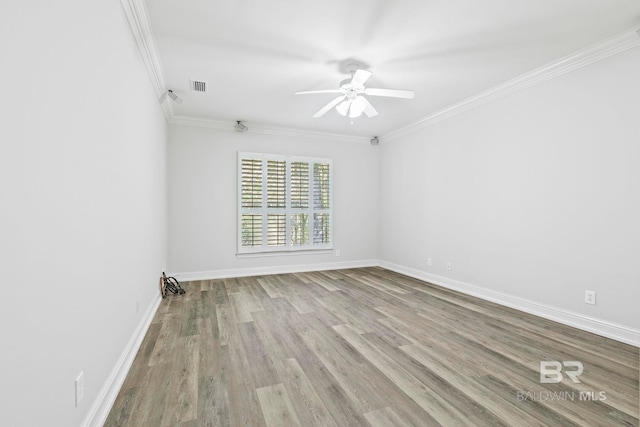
(284, 203)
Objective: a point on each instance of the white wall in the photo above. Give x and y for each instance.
(202, 200)
(536, 195)
(83, 194)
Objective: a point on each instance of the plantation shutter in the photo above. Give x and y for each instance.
(321, 203)
(276, 202)
(251, 189)
(276, 183)
(299, 185)
(284, 203)
(251, 183)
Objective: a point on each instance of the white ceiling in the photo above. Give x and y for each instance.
(254, 54)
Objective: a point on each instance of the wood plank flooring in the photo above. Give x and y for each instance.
(365, 347)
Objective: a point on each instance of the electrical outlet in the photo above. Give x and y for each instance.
(448, 266)
(337, 252)
(428, 262)
(590, 297)
(79, 388)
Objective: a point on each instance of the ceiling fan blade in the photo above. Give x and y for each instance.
(392, 93)
(360, 76)
(329, 106)
(307, 92)
(368, 108)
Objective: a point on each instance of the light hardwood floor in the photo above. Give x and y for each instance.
(364, 347)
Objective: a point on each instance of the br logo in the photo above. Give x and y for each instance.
(551, 371)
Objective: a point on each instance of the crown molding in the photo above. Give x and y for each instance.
(138, 18)
(265, 129)
(203, 123)
(136, 13)
(581, 58)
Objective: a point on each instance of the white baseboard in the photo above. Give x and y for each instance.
(102, 405)
(590, 324)
(262, 271)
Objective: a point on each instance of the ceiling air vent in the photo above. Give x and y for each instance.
(198, 86)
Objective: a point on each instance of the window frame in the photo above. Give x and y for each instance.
(288, 210)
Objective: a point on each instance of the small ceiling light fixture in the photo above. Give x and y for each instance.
(175, 97)
(240, 127)
(171, 95)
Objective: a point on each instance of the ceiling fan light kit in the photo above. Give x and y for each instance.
(351, 101)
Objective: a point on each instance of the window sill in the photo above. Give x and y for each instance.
(284, 253)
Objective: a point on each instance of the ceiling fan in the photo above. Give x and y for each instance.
(351, 101)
